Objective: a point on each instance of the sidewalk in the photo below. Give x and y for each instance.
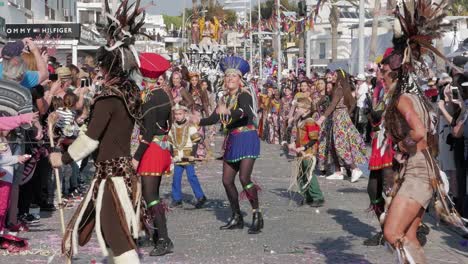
(332, 234)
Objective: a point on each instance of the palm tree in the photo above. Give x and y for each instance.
(375, 24)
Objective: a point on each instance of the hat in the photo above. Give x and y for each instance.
(63, 73)
(12, 49)
(235, 64)
(153, 65)
(360, 77)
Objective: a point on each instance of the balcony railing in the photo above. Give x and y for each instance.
(91, 35)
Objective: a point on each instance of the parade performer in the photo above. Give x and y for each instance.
(285, 108)
(153, 156)
(184, 138)
(380, 163)
(411, 123)
(273, 118)
(237, 113)
(200, 107)
(306, 149)
(112, 205)
(347, 147)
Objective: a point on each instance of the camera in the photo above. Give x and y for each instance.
(455, 93)
(84, 82)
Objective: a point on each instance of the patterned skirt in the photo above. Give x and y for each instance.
(241, 145)
(340, 142)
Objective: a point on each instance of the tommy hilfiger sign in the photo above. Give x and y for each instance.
(63, 31)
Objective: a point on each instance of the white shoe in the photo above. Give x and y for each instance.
(335, 176)
(355, 175)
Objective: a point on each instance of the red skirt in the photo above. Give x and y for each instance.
(155, 162)
(378, 161)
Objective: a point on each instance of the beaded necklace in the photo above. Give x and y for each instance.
(231, 103)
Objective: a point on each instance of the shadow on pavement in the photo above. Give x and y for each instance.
(352, 190)
(351, 224)
(284, 193)
(334, 251)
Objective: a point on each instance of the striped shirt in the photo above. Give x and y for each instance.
(66, 122)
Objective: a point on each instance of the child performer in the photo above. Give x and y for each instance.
(184, 138)
(306, 149)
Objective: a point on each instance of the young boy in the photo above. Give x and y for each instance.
(306, 149)
(184, 138)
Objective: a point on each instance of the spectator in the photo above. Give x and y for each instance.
(14, 68)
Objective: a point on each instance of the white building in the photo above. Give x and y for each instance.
(321, 35)
(35, 11)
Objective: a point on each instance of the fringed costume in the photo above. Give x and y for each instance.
(419, 177)
(307, 138)
(112, 205)
(241, 146)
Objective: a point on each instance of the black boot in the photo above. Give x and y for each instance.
(235, 222)
(257, 223)
(163, 246)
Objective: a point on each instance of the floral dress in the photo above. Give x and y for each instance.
(340, 141)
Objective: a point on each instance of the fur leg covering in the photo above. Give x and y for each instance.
(82, 147)
(127, 258)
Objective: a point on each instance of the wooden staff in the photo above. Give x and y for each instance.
(52, 120)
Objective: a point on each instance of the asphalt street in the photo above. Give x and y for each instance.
(292, 234)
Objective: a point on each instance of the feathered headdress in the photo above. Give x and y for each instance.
(417, 24)
(235, 64)
(120, 32)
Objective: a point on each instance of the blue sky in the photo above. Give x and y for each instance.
(168, 7)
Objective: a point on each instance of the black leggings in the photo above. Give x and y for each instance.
(244, 167)
(379, 180)
(150, 190)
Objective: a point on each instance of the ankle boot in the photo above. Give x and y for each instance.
(162, 247)
(257, 223)
(235, 222)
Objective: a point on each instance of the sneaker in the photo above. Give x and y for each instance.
(335, 176)
(355, 175)
(200, 202)
(375, 240)
(176, 204)
(30, 219)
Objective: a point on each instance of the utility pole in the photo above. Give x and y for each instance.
(361, 37)
(278, 24)
(260, 40)
(250, 33)
(307, 40)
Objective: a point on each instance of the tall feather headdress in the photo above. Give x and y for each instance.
(417, 24)
(121, 30)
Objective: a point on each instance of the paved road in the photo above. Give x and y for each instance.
(332, 234)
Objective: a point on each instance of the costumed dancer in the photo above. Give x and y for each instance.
(380, 162)
(153, 155)
(345, 145)
(273, 118)
(237, 113)
(285, 108)
(412, 124)
(111, 207)
(184, 138)
(306, 148)
(200, 107)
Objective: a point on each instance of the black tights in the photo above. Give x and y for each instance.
(378, 180)
(150, 189)
(244, 167)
